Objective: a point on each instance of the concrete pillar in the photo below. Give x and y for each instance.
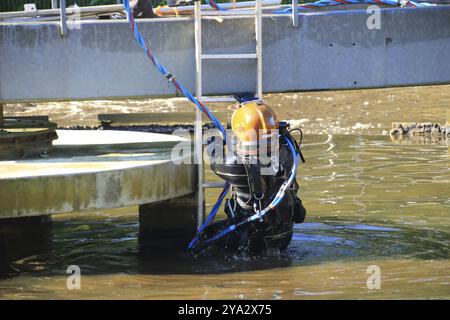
(1, 116)
(168, 224)
(22, 237)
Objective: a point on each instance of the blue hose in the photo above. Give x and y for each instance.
(325, 3)
(162, 69)
(171, 78)
(211, 215)
(215, 6)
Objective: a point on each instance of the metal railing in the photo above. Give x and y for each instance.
(62, 17)
(17, 5)
(62, 4)
(294, 13)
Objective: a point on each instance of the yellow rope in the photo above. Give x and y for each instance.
(176, 11)
(159, 14)
(156, 10)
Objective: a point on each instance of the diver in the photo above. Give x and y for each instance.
(259, 165)
(179, 3)
(142, 9)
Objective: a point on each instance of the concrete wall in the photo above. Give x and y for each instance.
(330, 50)
(45, 195)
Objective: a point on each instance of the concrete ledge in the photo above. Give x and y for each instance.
(76, 178)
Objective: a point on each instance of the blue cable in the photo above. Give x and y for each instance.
(211, 215)
(188, 95)
(215, 6)
(325, 3)
(162, 69)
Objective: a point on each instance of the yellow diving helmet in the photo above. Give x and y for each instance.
(253, 119)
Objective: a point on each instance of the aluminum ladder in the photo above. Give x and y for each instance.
(199, 57)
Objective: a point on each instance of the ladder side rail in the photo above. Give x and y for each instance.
(258, 37)
(295, 13)
(198, 128)
(199, 56)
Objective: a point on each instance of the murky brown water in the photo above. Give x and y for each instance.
(341, 112)
(370, 202)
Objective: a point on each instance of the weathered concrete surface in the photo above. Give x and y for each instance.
(86, 173)
(331, 49)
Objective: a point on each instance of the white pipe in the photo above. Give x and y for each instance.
(207, 7)
(119, 8)
(56, 12)
(63, 22)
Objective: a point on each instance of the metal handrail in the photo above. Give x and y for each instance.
(295, 13)
(63, 22)
(56, 12)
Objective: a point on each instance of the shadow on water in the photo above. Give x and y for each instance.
(108, 247)
(18, 239)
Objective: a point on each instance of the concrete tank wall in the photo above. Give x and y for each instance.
(330, 50)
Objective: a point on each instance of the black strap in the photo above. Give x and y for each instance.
(254, 178)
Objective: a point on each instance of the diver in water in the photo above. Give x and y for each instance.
(142, 9)
(260, 170)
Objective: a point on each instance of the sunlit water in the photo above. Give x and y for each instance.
(369, 202)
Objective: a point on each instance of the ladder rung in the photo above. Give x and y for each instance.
(218, 99)
(230, 56)
(213, 184)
